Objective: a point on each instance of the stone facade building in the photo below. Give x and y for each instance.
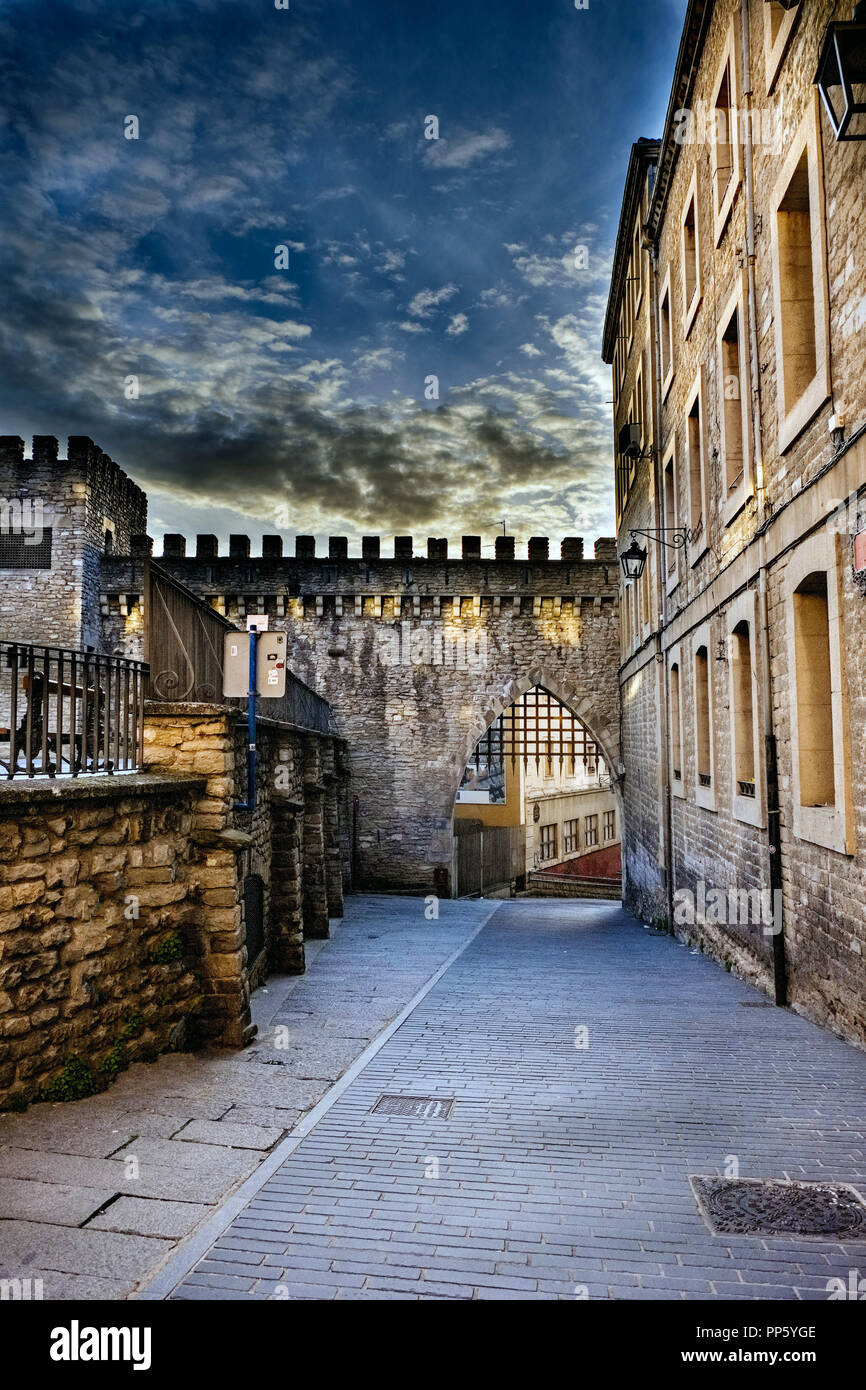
(736, 331)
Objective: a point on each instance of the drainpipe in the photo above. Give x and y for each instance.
(774, 829)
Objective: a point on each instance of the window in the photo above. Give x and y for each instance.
(726, 139)
(779, 21)
(820, 756)
(743, 708)
(814, 697)
(666, 334)
(702, 703)
(25, 550)
(610, 825)
(670, 517)
(698, 513)
(548, 842)
(691, 270)
(748, 801)
(702, 717)
(571, 841)
(676, 720)
(800, 297)
(734, 411)
(590, 831)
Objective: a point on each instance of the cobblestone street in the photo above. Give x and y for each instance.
(561, 1170)
(94, 1194)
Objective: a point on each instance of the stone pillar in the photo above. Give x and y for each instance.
(286, 953)
(201, 739)
(333, 851)
(314, 895)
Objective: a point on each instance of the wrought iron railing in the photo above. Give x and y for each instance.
(183, 640)
(300, 706)
(65, 712)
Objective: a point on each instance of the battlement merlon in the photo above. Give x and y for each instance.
(176, 547)
(109, 489)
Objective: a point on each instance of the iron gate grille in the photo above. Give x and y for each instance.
(536, 727)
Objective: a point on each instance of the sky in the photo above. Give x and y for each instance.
(350, 277)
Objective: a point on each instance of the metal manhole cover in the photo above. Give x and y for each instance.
(752, 1206)
(416, 1107)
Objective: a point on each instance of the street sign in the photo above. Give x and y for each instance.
(270, 665)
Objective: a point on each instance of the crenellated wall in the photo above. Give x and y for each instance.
(56, 515)
(417, 655)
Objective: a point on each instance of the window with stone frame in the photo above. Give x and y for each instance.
(666, 335)
(814, 711)
(609, 825)
(742, 673)
(548, 842)
(590, 831)
(703, 706)
(571, 836)
(696, 467)
(799, 286)
(725, 133)
(779, 22)
(669, 504)
(690, 256)
(676, 722)
(736, 465)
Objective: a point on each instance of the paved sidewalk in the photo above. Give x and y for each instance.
(559, 1168)
(94, 1195)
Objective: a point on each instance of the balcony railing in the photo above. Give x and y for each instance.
(65, 712)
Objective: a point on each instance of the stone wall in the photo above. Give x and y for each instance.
(417, 656)
(100, 930)
(122, 907)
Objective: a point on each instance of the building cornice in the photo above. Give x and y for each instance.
(644, 152)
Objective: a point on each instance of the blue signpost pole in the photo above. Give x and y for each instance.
(251, 754)
(249, 804)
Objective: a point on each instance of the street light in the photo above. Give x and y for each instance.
(841, 75)
(633, 560)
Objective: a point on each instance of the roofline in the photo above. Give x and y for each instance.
(643, 153)
(695, 26)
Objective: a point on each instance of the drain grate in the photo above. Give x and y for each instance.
(753, 1206)
(415, 1107)
(756, 1004)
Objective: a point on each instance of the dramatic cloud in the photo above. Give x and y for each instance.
(280, 261)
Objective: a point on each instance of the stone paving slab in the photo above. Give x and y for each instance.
(74, 1212)
(562, 1169)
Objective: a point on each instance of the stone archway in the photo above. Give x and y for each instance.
(493, 704)
(585, 708)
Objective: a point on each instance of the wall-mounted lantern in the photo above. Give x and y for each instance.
(841, 75)
(634, 559)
